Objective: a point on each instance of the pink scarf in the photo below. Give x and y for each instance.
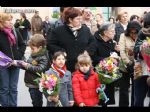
(11, 37)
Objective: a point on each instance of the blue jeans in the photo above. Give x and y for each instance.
(8, 87)
(36, 96)
(140, 91)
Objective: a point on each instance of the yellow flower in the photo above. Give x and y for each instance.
(34, 62)
(148, 39)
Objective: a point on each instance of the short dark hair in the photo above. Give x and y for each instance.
(146, 20)
(132, 25)
(58, 53)
(71, 13)
(134, 17)
(23, 15)
(62, 9)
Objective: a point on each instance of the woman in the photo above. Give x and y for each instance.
(126, 43)
(72, 37)
(140, 84)
(24, 26)
(104, 46)
(13, 47)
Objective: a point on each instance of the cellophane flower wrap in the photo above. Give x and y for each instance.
(108, 70)
(5, 61)
(48, 84)
(145, 51)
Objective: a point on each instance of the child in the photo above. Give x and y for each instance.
(37, 63)
(85, 82)
(58, 68)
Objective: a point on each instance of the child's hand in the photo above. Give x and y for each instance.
(81, 105)
(71, 103)
(24, 64)
(14, 63)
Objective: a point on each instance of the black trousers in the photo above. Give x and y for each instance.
(124, 85)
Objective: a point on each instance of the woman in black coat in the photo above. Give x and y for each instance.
(72, 37)
(104, 47)
(11, 44)
(24, 26)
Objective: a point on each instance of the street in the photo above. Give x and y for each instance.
(24, 99)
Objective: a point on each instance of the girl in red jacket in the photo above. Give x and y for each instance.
(85, 82)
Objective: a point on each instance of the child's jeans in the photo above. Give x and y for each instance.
(36, 96)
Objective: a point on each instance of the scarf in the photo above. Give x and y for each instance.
(75, 30)
(61, 71)
(87, 74)
(11, 37)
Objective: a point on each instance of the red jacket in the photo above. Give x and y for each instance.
(85, 90)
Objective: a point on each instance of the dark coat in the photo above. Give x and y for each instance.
(103, 49)
(24, 31)
(47, 27)
(41, 65)
(15, 52)
(62, 38)
(138, 43)
(118, 30)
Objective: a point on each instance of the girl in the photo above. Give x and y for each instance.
(59, 69)
(85, 82)
(37, 63)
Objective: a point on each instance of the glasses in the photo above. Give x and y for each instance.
(133, 33)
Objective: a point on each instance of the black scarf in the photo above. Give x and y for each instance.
(87, 74)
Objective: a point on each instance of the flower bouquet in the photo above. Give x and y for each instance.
(5, 61)
(145, 51)
(48, 84)
(108, 70)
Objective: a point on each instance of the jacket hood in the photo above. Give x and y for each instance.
(42, 52)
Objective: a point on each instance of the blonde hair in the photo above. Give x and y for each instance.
(37, 40)
(4, 17)
(121, 13)
(83, 59)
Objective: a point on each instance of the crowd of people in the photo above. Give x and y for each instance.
(70, 48)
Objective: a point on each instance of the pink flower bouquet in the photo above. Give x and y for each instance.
(108, 70)
(145, 50)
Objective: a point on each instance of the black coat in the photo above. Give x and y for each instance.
(24, 31)
(103, 49)
(62, 38)
(118, 30)
(15, 52)
(138, 43)
(47, 27)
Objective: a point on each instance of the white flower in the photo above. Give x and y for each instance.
(40, 87)
(49, 92)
